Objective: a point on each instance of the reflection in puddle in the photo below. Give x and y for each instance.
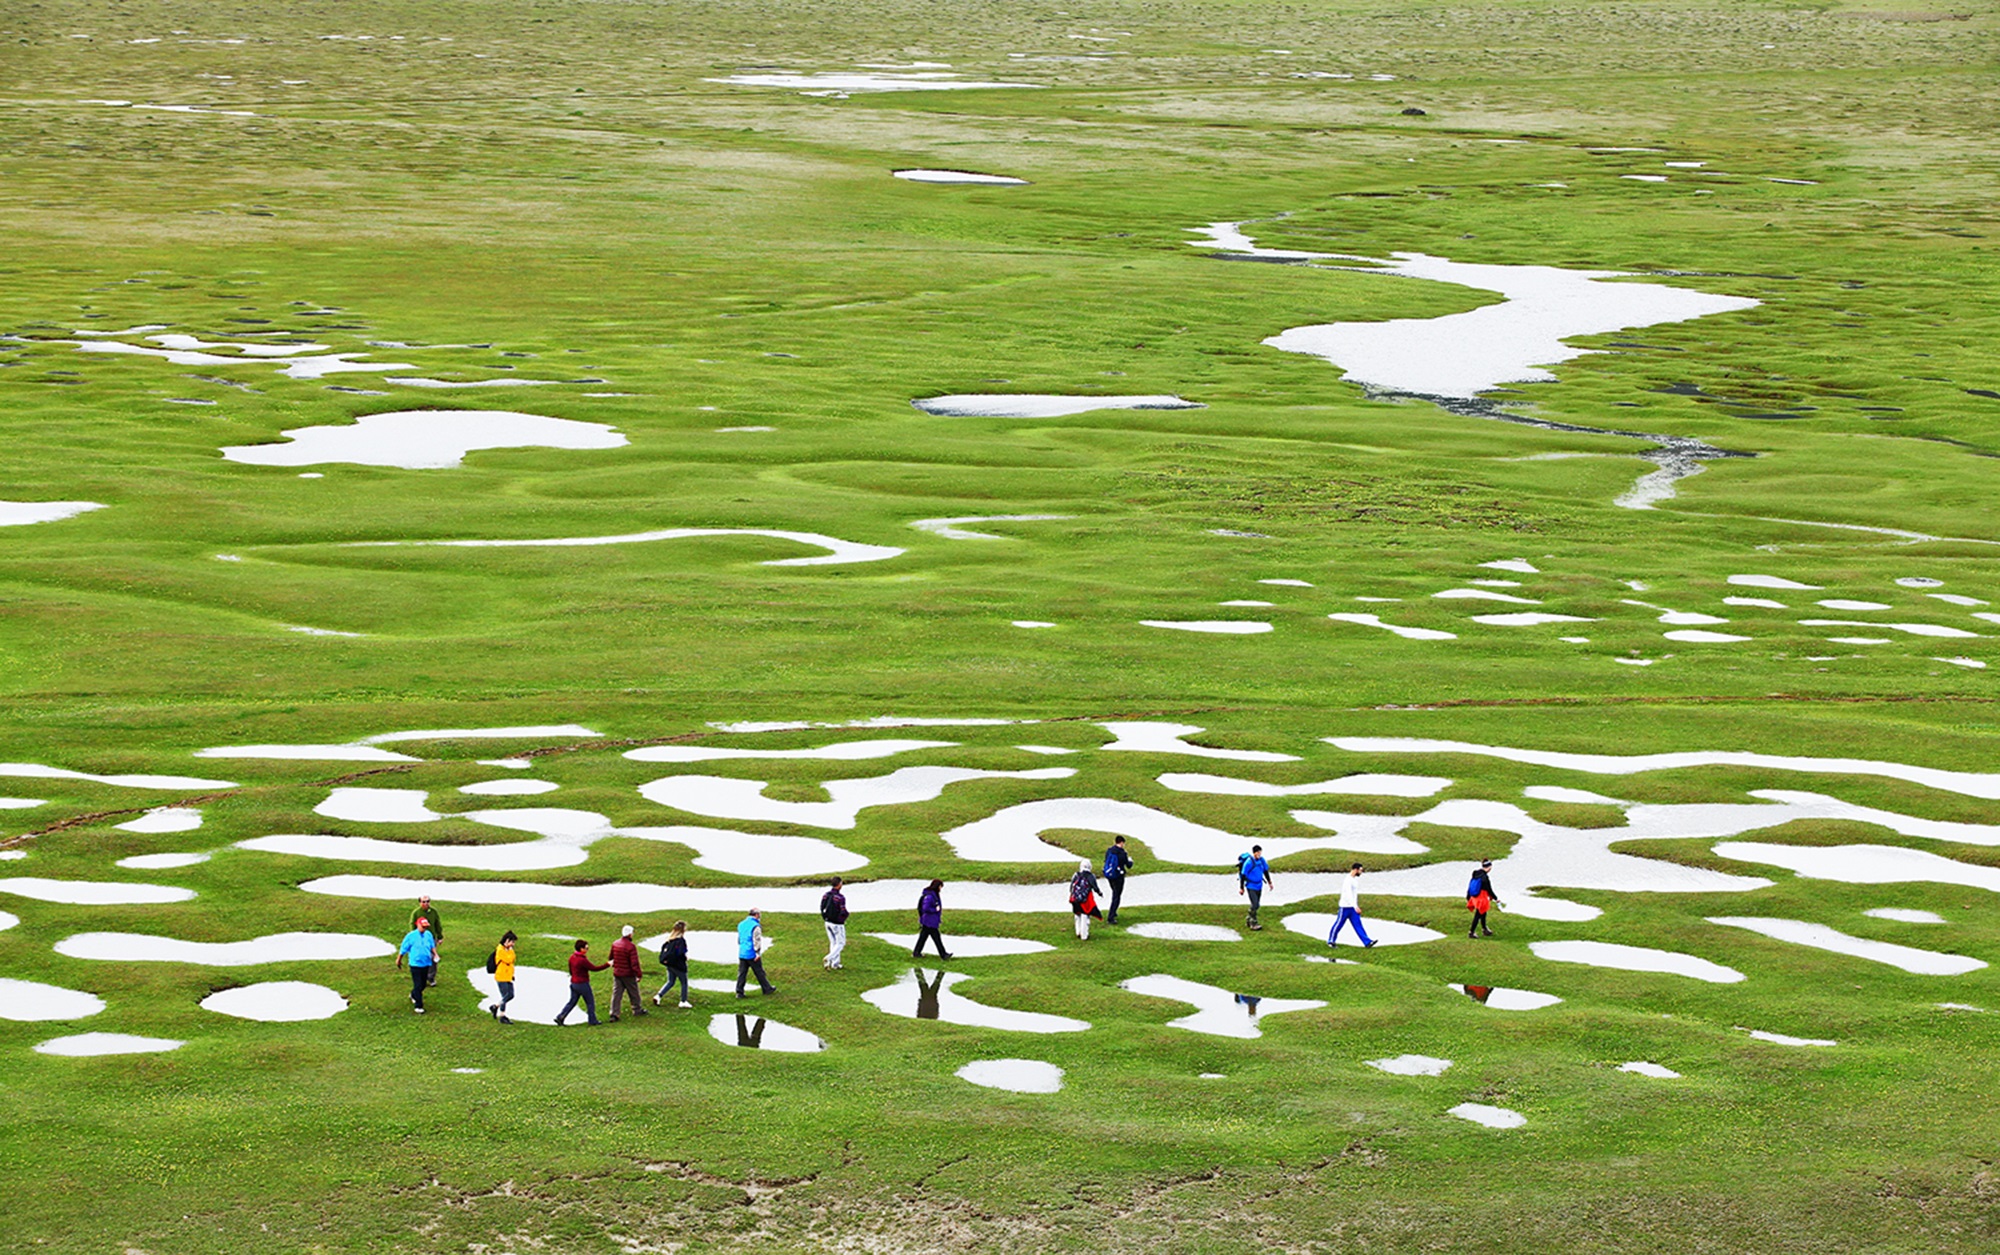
(754, 1032)
(923, 994)
(1020, 1076)
(1507, 999)
(1219, 1013)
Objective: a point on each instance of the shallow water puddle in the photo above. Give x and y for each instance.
(310, 753)
(755, 1032)
(1864, 864)
(1220, 627)
(922, 994)
(725, 797)
(1042, 405)
(959, 176)
(165, 819)
(1407, 633)
(1905, 916)
(1771, 581)
(1530, 619)
(1762, 602)
(274, 948)
(1219, 1013)
(1700, 636)
(1912, 629)
(1491, 1117)
(969, 946)
(32, 1000)
(1786, 1039)
(377, 806)
(91, 1045)
(509, 788)
(1384, 932)
(424, 439)
(1013, 834)
(839, 552)
(1146, 737)
(1507, 999)
(38, 771)
(1287, 583)
(834, 83)
(24, 513)
(951, 528)
(1019, 1076)
(1557, 793)
(1822, 937)
(1248, 602)
(277, 1002)
(1410, 1065)
(1635, 959)
(1642, 1068)
(93, 892)
(1483, 594)
(1360, 784)
(1184, 932)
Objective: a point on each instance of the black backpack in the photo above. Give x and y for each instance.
(493, 961)
(663, 951)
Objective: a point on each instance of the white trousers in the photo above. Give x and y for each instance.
(1082, 926)
(836, 941)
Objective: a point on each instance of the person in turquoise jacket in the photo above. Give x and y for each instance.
(419, 948)
(750, 952)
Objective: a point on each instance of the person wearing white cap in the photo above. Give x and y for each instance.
(1083, 898)
(625, 973)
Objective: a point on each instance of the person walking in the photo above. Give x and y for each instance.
(625, 974)
(502, 967)
(1479, 897)
(833, 913)
(750, 946)
(1252, 874)
(426, 911)
(1350, 909)
(419, 948)
(674, 957)
(1083, 898)
(930, 918)
(1116, 863)
(580, 968)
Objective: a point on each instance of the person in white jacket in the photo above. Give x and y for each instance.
(1350, 909)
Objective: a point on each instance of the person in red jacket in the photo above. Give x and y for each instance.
(625, 973)
(580, 968)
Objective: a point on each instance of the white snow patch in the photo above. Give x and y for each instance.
(1698, 636)
(1557, 793)
(1521, 565)
(1764, 602)
(1786, 1039)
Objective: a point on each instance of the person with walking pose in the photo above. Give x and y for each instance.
(750, 946)
(1083, 898)
(1252, 874)
(502, 967)
(930, 918)
(420, 949)
(833, 913)
(625, 974)
(1117, 862)
(674, 957)
(1350, 909)
(580, 968)
(425, 911)
(1479, 898)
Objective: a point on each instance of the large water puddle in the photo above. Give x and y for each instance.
(1019, 1076)
(377, 806)
(1150, 737)
(970, 946)
(92, 892)
(1360, 784)
(959, 176)
(834, 83)
(839, 552)
(1864, 864)
(1635, 959)
(165, 819)
(725, 797)
(1218, 1011)
(424, 439)
(954, 528)
(1822, 937)
(24, 513)
(755, 1032)
(90, 1045)
(277, 1002)
(1904, 915)
(839, 751)
(1167, 931)
(274, 948)
(1032, 405)
(38, 771)
(1640, 1067)
(33, 1001)
(1507, 999)
(1213, 627)
(1014, 834)
(1384, 932)
(1407, 633)
(922, 994)
(162, 862)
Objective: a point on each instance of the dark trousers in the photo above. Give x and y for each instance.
(420, 977)
(1256, 900)
(1478, 925)
(743, 969)
(931, 934)
(1117, 884)
(675, 974)
(579, 993)
(623, 987)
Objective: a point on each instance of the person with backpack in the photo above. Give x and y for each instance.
(1083, 898)
(833, 913)
(1479, 897)
(1350, 909)
(750, 946)
(930, 918)
(674, 957)
(1252, 874)
(625, 974)
(580, 968)
(420, 949)
(1116, 863)
(500, 964)
(425, 911)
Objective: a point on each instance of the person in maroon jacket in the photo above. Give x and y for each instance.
(580, 968)
(625, 973)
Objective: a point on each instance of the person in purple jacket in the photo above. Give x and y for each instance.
(930, 917)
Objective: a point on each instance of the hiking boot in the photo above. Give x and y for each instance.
(612, 1018)
(494, 1010)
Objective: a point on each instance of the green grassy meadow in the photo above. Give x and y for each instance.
(562, 190)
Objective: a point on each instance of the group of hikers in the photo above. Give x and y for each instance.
(420, 947)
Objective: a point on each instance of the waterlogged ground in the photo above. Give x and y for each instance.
(596, 466)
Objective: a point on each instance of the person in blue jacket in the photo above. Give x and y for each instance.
(419, 948)
(1116, 863)
(1252, 874)
(750, 952)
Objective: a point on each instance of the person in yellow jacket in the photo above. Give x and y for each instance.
(503, 976)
